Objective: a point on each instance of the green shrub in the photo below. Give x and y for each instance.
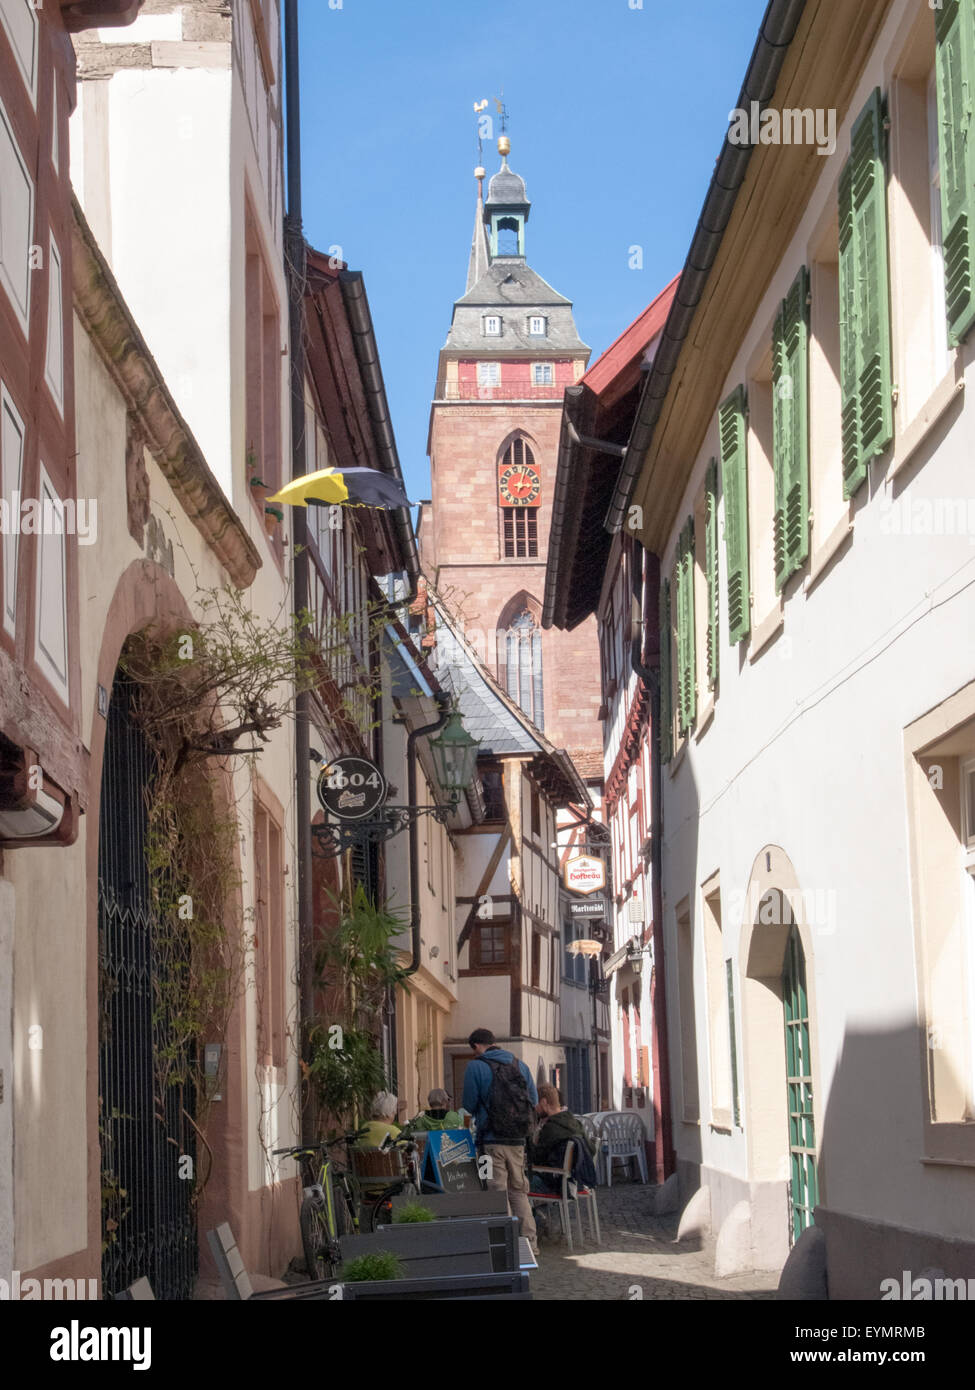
(413, 1211)
(383, 1264)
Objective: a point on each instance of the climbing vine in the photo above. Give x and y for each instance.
(355, 967)
(202, 696)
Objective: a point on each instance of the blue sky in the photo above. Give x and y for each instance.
(616, 116)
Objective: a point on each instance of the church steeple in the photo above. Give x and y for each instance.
(479, 251)
(507, 208)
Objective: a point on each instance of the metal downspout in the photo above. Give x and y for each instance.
(295, 270)
(443, 704)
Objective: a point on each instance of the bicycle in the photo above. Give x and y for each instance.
(323, 1219)
(411, 1184)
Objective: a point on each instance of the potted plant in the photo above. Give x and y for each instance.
(273, 517)
(260, 490)
(413, 1213)
(382, 1264)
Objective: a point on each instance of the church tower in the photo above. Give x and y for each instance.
(495, 422)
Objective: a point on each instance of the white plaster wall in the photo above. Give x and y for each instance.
(806, 751)
(169, 184)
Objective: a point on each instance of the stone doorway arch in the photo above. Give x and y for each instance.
(773, 914)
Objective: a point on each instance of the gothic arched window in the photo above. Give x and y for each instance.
(519, 490)
(520, 665)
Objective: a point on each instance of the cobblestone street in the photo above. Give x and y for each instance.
(638, 1250)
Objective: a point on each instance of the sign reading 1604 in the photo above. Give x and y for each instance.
(351, 788)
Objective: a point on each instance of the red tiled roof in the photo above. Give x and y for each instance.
(618, 368)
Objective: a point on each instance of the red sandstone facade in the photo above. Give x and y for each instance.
(511, 351)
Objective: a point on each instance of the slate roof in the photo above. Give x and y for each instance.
(516, 291)
(491, 716)
(487, 714)
(506, 189)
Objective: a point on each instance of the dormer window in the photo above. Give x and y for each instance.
(536, 326)
(542, 374)
(492, 325)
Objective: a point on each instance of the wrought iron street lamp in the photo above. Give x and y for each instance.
(454, 755)
(352, 785)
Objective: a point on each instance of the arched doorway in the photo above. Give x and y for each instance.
(803, 1183)
(780, 1057)
(148, 1218)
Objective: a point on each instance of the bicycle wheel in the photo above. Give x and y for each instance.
(344, 1220)
(315, 1239)
(381, 1213)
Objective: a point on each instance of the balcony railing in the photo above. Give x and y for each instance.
(471, 391)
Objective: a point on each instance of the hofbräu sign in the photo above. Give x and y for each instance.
(584, 874)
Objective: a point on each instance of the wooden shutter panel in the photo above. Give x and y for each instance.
(865, 349)
(854, 471)
(790, 413)
(711, 565)
(686, 677)
(666, 707)
(734, 484)
(954, 27)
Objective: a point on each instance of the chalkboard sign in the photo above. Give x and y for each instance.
(451, 1161)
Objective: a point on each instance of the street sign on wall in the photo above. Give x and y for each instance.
(584, 874)
(351, 788)
(590, 907)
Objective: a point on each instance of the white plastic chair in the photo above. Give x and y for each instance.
(590, 1127)
(623, 1137)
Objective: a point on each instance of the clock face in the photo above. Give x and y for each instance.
(519, 486)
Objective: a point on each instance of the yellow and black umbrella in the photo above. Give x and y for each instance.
(353, 487)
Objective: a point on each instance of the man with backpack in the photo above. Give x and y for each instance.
(500, 1094)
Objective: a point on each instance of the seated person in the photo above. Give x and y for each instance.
(548, 1148)
(437, 1116)
(381, 1122)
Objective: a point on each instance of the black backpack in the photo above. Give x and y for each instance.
(510, 1112)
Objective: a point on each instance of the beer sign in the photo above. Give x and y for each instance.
(584, 874)
(351, 788)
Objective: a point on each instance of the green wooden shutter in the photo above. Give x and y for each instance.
(954, 27)
(734, 485)
(790, 415)
(666, 706)
(865, 349)
(711, 564)
(686, 673)
(853, 471)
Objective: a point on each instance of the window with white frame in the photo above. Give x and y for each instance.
(536, 326)
(51, 631)
(491, 325)
(543, 374)
(11, 473)
(489, 373)
(16, 222)
(54, 359)
(20, 22)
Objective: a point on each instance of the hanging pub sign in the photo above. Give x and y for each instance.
(584, 874)
(588, 907)
(451, 1160)
(351, 788)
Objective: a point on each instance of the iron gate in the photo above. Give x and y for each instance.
(148, 1220)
